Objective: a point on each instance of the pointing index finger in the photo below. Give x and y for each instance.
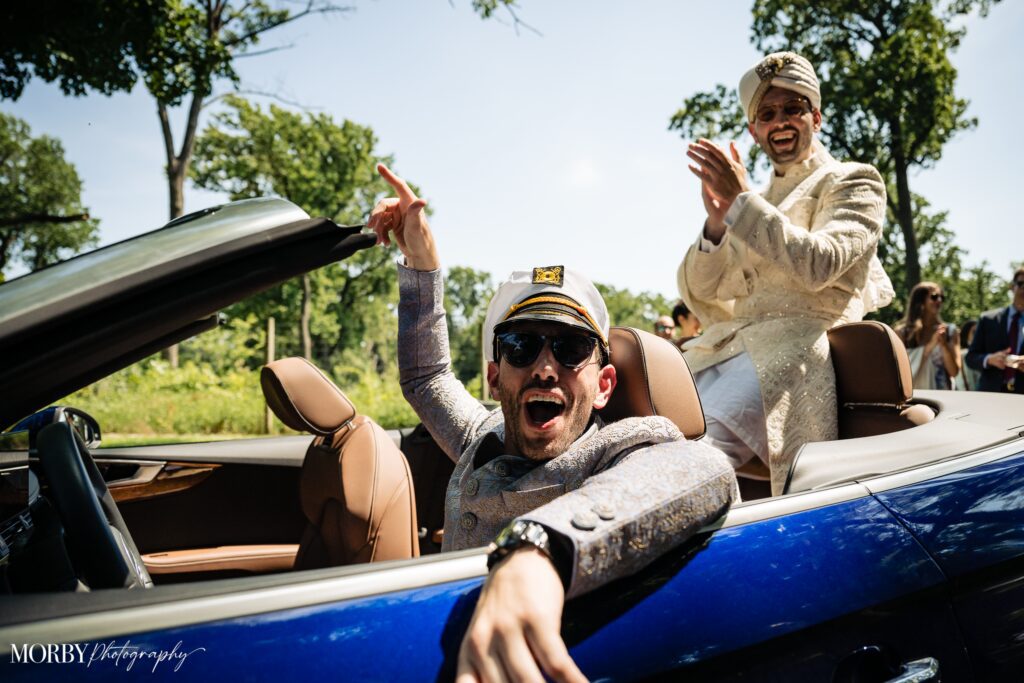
(404, 193)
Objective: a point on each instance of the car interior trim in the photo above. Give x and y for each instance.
(251, 558)
(168, 478)
(281, 451)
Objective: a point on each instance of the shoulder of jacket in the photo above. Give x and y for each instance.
(853, 170)
(994, 313)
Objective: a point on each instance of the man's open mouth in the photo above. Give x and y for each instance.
(541, 410)
(783, 139)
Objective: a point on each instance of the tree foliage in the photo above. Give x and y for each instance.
(42, 219)
(328, 169)
(888, 99)
(627, 309)
(79, 44)
(466, 295)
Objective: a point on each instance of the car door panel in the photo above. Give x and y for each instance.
(972, 522)
(210, 510)
(807, 588)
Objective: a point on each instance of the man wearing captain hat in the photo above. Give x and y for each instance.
(772, 271)
(570, 502)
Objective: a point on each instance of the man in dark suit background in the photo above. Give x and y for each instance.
(998, 339)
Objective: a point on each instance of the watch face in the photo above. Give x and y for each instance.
(518, 534)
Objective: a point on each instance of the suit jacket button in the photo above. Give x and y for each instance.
(604, 511)
(501, 469)
(468, 520)
(472, 486)
(585, 521)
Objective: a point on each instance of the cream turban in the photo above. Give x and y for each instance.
(782, 69)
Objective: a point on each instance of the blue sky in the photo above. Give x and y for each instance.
(536, 150)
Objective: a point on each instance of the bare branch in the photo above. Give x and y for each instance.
(310, 9)
(42, 218)
(517, 22)
(269, 50)
(261, 93)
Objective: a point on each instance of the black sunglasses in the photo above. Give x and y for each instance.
(1019, 283)
(937, 297)
(520, 349)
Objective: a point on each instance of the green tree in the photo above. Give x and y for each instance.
(42, 219)
(195, 45)
(178, 48)
(80, 44)
(328, 169)
(887, 89)
(466, 295)
(626, 309)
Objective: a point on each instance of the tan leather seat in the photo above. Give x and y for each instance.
(874, 383)
(356, 490)
(653, 379)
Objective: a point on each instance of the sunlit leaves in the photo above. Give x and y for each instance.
(38, 187)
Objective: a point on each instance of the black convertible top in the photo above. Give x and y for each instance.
(72, 323)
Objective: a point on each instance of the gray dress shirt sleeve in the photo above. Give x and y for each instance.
(622, 519)
(448, 411)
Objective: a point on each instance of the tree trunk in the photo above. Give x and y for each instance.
(307, 340)
(176, 192)
(177, 169)
(905, 208)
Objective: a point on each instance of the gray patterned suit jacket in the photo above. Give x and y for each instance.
(622, 495)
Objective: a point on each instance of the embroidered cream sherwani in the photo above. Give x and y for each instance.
(798, 259)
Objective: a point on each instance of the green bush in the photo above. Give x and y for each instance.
(374, 393)
(150, 397)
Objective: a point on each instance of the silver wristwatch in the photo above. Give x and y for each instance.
(515, 535)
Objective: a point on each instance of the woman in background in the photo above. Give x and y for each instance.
(933, 346)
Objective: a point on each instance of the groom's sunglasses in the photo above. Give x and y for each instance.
(520, 349)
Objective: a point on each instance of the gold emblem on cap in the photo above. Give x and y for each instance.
(550, 275)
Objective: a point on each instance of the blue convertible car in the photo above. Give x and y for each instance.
(896, 554)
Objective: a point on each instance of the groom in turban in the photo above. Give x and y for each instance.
(772, 271)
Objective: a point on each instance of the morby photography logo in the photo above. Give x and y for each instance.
(120, 655)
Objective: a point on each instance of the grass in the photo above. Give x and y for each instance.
(124, 440)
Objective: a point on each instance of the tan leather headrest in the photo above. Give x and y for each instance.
(871, 364)
(653, 379)
(303, 398)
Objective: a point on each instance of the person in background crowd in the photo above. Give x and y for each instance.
(933, 345)
(968, 378)
(664, 327)
(686, 322)
(772, 271)
(997, 345)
